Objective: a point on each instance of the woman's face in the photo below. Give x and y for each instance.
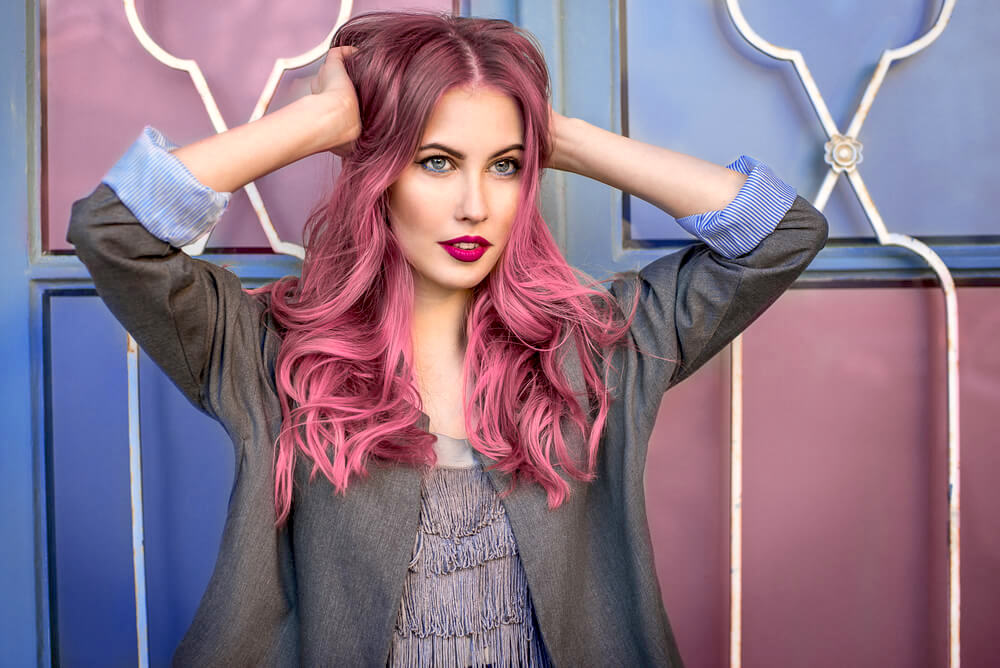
(452, 208)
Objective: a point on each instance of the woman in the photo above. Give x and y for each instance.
(440, 433)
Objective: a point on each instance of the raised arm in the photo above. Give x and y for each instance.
(327, 120)
(679, 184)
(191, 316)
(757, 237)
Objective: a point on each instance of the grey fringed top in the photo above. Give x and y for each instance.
(465, 598)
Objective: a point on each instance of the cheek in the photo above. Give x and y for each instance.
(418, 207)
(508, 209)
(406, 213)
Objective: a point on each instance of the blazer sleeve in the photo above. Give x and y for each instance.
(190, 316)
(693, 302)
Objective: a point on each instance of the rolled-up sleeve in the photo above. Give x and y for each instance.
(752, 215)
(162, 193)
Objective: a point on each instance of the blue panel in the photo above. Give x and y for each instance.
(20, 642)
(90, 562)
(497, 9)
(187, 466)
(700, 64)
(187, 461)
(592, 209)
(695, 85)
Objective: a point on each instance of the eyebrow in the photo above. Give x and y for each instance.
(461, 156)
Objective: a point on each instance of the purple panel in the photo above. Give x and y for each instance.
(100, 87)
(845, 510)
(979, 390)
(846, 554)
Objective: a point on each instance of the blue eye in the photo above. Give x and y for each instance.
(437, 164)
(507, 167)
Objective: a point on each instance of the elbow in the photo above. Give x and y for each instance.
(813, 227)
(82, 223)
(821, 230)
(101, 229)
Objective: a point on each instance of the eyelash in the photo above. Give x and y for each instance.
(514, 162)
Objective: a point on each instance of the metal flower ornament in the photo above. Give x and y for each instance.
(843, 154)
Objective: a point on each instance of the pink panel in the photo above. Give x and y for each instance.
(980, 395)
(845, 542)
(687, 503)
(100, 87)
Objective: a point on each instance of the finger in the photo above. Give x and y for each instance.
(342, 51)
(338, 54)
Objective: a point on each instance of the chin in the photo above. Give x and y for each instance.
(468, 285)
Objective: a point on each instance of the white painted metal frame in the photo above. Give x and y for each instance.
(843, 154)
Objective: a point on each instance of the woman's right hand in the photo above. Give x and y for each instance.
(333, 83)
(326, 120)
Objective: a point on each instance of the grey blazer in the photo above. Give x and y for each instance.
(325, 590)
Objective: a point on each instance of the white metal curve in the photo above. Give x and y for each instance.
(792, 55)
(825, 190)
(907, 50)
(891, 55)
(281, 65)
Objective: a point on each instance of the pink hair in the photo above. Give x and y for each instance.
(344, 373)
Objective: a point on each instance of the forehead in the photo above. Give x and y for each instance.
(474, 118)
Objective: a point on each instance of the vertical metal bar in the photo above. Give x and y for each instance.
(736, 503)
(954, 478)
(843, 154)
(135, 492)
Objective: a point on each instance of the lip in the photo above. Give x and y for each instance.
(468, 239)
(466, 255)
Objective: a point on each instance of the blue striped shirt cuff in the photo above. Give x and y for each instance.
(753, 214)
(162, 193)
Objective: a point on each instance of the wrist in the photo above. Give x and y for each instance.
(334, 120)
(566, 141)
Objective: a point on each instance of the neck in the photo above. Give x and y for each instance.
(439, 325)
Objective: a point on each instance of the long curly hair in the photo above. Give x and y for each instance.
(344, 372)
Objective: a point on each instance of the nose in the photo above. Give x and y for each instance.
(472, 205)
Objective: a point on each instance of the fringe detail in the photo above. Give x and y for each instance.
(465, 598)
(441, 557)
(464, 602)
(462, 522)
(503, 646)
(457, 502)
